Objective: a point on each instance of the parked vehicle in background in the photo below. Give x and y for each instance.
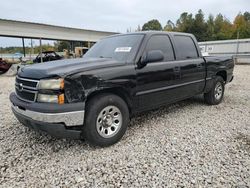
(94, 97)
(23, 63)
(4, 66)
(47, 56)
(80, 51)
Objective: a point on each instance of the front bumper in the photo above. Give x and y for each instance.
(74, 118)
(62, 121)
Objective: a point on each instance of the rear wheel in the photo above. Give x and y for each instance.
(215, 95)
(106, 120)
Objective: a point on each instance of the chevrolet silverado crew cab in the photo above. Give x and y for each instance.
(93, 97)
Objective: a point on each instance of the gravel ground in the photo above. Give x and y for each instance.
(185, 144)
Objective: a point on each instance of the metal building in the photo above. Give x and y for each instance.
(239, 48)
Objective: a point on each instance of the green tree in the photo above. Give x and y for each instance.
(61, 45)
(210, 28)
(170, 26)
(241, 26)
(185, 23)
(226, 29)
(222, 28)
(199, 26)
(218, 21)
(152, 25)
(247, 16)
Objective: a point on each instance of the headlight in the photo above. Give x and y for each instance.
(51, 98)
(51, 84)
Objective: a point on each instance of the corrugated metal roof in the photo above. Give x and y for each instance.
(14, 28)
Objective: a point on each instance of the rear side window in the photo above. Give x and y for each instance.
(185, 47)
(163, 43)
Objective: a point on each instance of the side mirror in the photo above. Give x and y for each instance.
(152, 56)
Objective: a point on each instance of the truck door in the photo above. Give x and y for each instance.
(154, 81)
(191, 65)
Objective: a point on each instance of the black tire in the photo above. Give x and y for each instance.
(94, 107)
(212, 97)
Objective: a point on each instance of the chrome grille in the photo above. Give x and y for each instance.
(26, 89)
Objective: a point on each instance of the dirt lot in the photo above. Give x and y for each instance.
(186, 144)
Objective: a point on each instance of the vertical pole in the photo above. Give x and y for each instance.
(237, 47)
(23, 47)
(72, 49)
(41, 50)
(32, 49)
(88, 44)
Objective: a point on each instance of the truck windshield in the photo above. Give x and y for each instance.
(122, 48)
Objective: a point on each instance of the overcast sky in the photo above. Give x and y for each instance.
(111, 15)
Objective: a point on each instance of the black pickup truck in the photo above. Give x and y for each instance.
(122, 75)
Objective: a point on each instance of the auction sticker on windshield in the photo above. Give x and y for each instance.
(123, 49)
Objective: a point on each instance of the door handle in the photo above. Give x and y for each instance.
(199, 66)
(177, 69)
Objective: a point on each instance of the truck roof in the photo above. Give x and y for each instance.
(154, 32)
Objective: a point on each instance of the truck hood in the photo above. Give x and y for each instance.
(65, 67)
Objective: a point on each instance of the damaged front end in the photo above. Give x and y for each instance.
(78, 87)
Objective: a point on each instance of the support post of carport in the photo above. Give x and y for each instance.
(72, 47)
(24, 53)
(41, 50)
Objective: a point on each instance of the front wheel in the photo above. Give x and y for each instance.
(215, 95)
(106, 120)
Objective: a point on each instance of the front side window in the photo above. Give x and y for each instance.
(122, 48)
(163, 43)
(185, 47)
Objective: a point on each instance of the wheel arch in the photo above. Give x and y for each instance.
(119, 91)
(223, 74)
